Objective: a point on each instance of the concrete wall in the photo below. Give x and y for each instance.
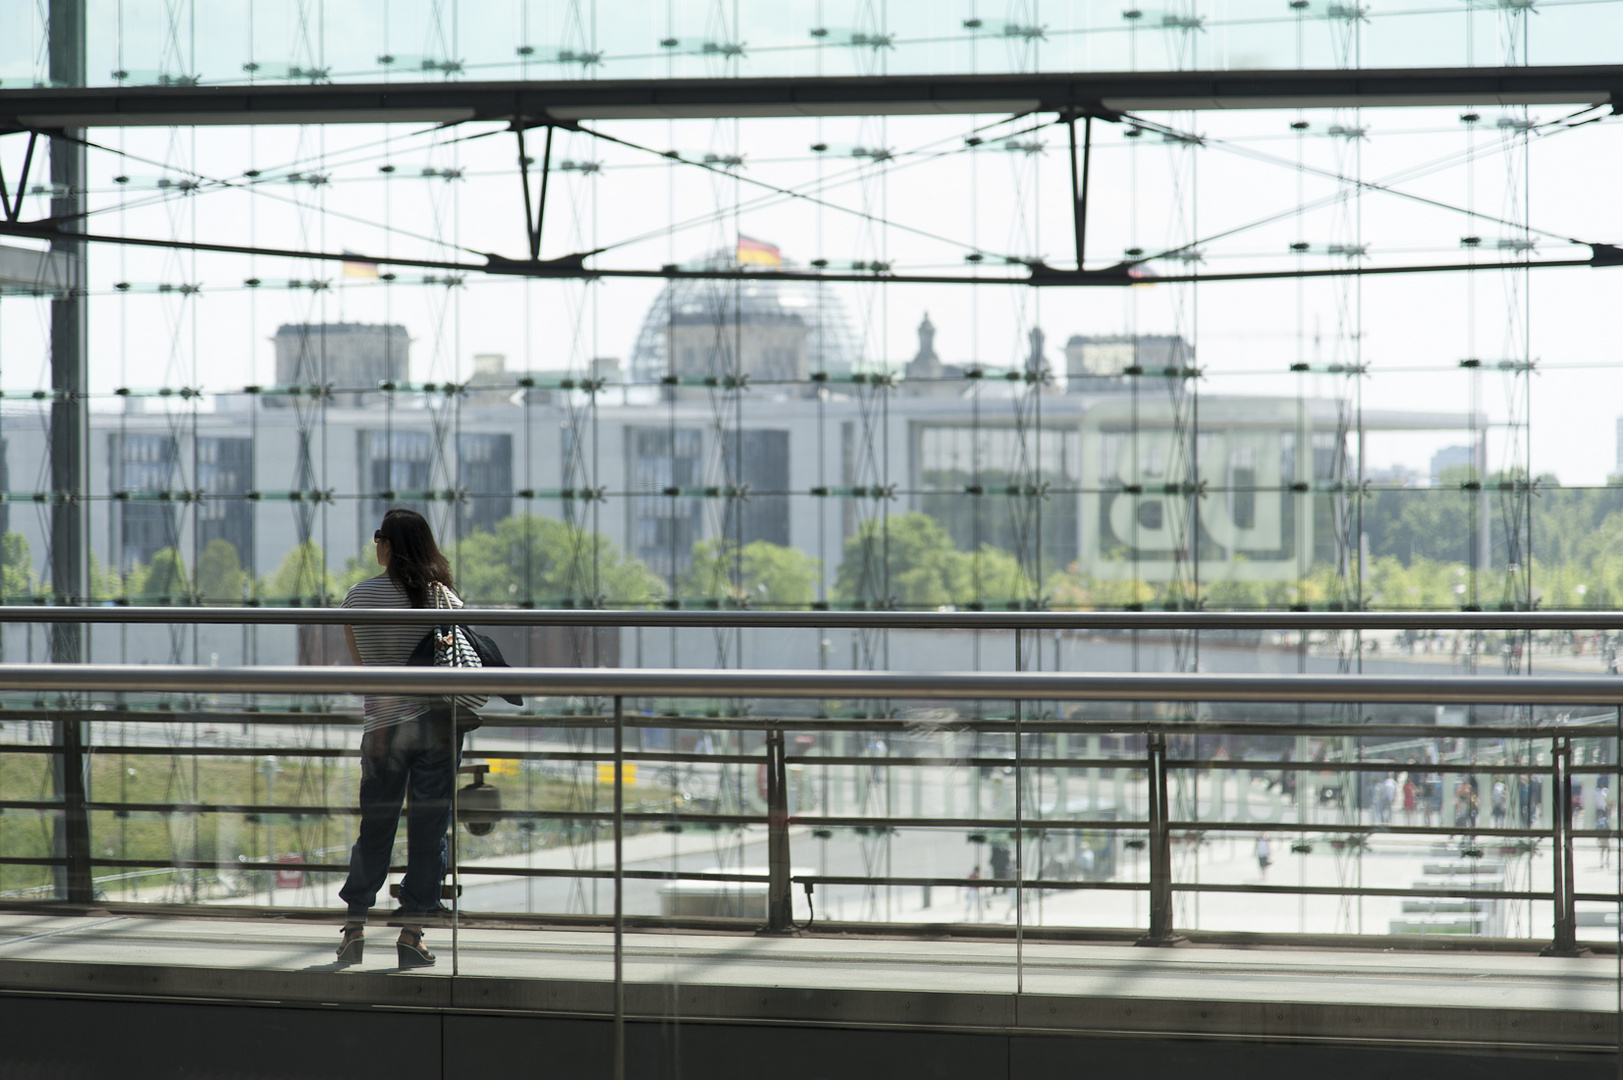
(50, 1038)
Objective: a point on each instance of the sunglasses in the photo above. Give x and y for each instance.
(377, 537)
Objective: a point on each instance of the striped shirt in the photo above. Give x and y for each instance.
(388, 645)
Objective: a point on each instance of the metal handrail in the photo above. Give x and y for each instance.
(1162, 826)
(820, 620)
(922, 685)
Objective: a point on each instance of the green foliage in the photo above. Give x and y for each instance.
(766, 574)
(1583, 565)
(219, 572)
(164, 579)
(1422, 541)
(1432, 523)
(1420, 546)
(16, 567)
(302, 576)
(106, 583)
(549, 563)
(923, 568)
(1424, 583)
(1072, 590)
(1230, 595)
(1001, 579)
(357, 568)
(224, 837)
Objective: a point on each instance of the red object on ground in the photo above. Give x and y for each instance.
(289, 879)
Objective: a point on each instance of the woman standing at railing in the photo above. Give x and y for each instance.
(407, 745)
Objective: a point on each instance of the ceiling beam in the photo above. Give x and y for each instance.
(1122, 275)
(525, 103)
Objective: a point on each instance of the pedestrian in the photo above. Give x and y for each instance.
(1408, 798)
(1264, 852)
(1462, 804)
(1000, 866)
(1499, 796)
(1389, 797)
(1603, 806)
(974, 902)
(409, 744)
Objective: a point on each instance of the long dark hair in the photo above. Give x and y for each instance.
(415, 561)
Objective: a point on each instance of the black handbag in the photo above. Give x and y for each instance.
(489, 654)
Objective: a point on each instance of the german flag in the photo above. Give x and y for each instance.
(757, 253)
(357, 268)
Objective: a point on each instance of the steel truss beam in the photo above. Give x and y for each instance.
(574, 266)
(10, 206)
(1100, 94)
(535, 213)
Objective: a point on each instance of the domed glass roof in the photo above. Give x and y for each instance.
(830, 344)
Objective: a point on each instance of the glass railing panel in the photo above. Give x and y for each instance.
(1098, 820)
(220, 800)
(31, 820)
(1596, 871)
(1382, 834)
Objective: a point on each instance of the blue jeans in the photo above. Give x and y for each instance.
(415, 756)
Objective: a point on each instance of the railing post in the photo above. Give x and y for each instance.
(779, 897)
(1160, 845)
(619, 891)
(74, 882)
(1565, 942)
(1019, 828)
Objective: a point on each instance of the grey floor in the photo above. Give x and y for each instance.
(1413, 978)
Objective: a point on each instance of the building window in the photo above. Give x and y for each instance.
(225, 475)
(143, 468)
(951, 460)
(664, 526)
(487, 477)
(759, 460)
(396, 466)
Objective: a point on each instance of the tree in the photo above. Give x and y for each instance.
(766, 574)
(219, 571)
(1001, 581)
(301, 576)
(358, 568)
(1423, 584)
(1425, 523)
(549, 563)
(1072, 590)
(164, 578)
(1227, 594)
(16, 567)
(922, 569)
(908, 558)
(106, 583)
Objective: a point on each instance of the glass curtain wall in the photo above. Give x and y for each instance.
(869, 442)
